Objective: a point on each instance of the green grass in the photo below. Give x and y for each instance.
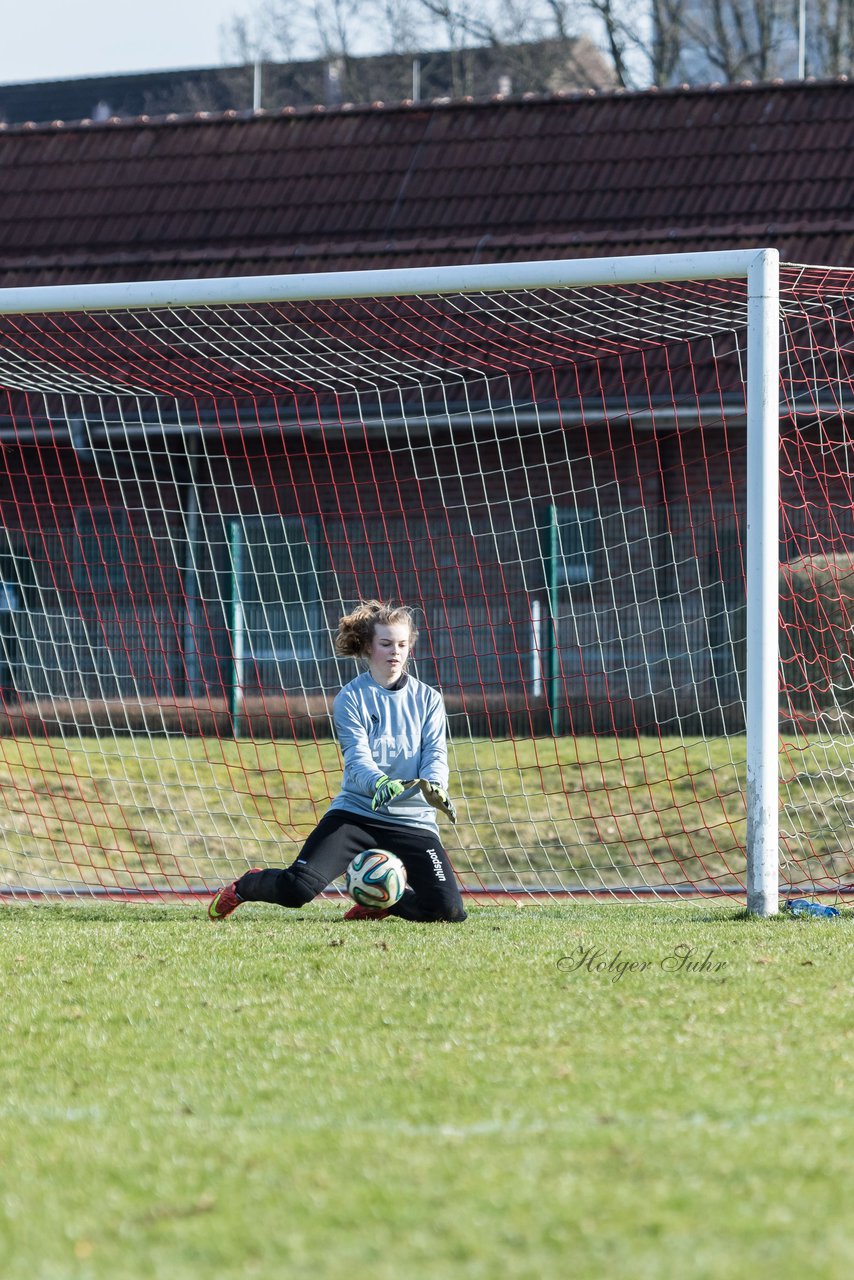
(585, 812)
(285, 1095)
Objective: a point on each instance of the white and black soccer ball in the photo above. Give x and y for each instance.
(375, 878)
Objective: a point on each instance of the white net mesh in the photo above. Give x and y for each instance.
(555, 480)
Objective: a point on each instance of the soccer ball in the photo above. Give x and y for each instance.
(375, 878)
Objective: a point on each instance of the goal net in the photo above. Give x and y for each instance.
(554, 477)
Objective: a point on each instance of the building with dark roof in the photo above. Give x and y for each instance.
(440, 182)
(539, 66)
(247, 193)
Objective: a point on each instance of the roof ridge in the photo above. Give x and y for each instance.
(561, 96)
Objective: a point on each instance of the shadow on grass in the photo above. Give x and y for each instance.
(782, 919)
(129, 913)
(99, 913)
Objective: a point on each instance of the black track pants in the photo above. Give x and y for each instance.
(432, 892)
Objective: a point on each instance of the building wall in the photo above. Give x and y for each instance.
(118, 608)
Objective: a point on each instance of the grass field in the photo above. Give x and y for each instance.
(284, 1095)
(581, 812)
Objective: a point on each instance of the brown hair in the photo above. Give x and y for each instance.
(356, 629)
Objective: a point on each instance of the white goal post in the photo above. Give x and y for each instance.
(759, 268)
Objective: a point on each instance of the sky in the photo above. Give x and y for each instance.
(59, 39)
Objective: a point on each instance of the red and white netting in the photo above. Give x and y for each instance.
(555, 480)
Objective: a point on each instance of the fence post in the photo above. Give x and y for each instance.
(237, 627)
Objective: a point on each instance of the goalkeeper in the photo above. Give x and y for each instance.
(392, 732)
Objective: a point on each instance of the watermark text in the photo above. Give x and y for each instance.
(684, 958)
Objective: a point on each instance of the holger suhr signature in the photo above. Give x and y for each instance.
(684, 958)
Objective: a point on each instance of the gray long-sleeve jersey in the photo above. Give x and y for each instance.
(399, 732)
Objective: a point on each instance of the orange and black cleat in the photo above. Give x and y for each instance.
(365, 913)
(225, 900)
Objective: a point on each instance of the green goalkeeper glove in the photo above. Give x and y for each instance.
(385, 790)
(438, 797)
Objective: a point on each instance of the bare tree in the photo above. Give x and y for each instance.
(667, 39)
(336, 23)
(403, 25)
(287, 29)
(623, 27)
(535, 41)
(735, 39)
(660, 42)
(830, 37)
(732, 40)
(272, 29)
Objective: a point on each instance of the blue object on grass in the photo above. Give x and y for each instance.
(803, 907)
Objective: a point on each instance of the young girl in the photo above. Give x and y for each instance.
(390, 727)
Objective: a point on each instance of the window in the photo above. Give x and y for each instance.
(281, 587)
(107, 558)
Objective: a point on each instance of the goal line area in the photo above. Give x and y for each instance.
(617, 493)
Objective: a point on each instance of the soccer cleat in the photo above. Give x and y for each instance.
(366, 913)
(225, 900)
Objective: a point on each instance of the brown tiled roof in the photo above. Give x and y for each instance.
(456, 182)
